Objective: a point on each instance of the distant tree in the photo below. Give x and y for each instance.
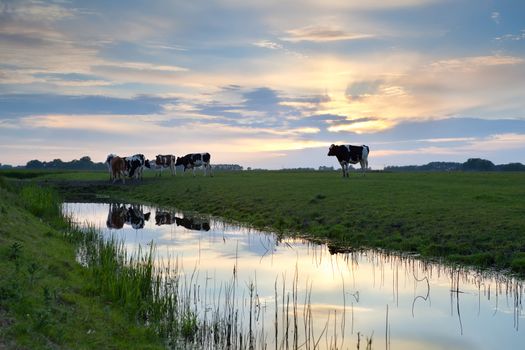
(34, 164)
(478, 164)
(511, 167)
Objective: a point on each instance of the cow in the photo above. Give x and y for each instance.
(193, 224)
(118, 169)
(108, 162)
(166, 161)
(193, 160)
(348, 154)
(135, 165)
(117, 216)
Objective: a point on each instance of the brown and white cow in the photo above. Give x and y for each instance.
(118, 169)
(166, 161)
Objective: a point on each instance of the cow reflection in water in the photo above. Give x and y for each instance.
(190, 223)
(119, 215)
(164, 218)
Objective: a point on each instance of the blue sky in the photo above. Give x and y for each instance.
(263, 83)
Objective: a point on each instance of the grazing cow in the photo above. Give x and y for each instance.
(348, 154)
(108, 162)
(164, 218)
(166, 161)
(118, 169)
(193, 160)
(135, 165)
(193, 223)
(117, 216)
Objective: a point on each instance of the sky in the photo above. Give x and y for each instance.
(263, 83)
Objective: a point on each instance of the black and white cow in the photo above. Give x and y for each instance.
(193, 160)
(165, 161)
(135, 165)
(348, 154)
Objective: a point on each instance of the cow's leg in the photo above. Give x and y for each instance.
(343, 168)
(363, 166)
(211, 172)
(193, 170)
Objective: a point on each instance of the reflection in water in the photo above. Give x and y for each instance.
(120, 214)
(286, 293)
(188, 222)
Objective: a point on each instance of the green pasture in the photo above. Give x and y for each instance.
(468, 217)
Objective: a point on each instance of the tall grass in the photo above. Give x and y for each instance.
(41, 201)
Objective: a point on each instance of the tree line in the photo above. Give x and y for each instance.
(85, 163)
(472, 164)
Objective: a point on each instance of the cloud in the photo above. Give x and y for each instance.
(321, 33)
(468, 64)
(363, 126)
(512, 37)
(17, 105)
(496, 17)
(32, 10)
(361, 89)
(143, 66)
(109, 124)
(268, 44)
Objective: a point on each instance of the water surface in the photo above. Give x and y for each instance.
(335, 298)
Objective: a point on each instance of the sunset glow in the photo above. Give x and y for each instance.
(277, 80)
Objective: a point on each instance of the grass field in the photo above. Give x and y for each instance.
(473, 218)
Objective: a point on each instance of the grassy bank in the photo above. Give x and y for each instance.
(474, 218)
(47, 299)
(63, 287)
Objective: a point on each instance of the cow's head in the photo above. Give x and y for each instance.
(110, 157)
(147, 164)
(331, 150)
